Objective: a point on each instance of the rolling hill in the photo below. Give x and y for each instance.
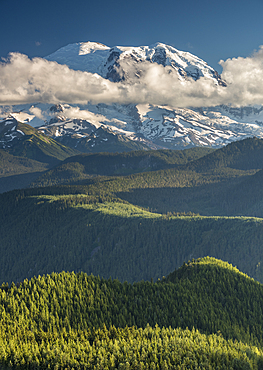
(76, 230)
(223, 182)
(206, 314)
(79, 167)
(140, 225)
(18, 172)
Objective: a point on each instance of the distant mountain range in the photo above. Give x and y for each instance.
(115, 127)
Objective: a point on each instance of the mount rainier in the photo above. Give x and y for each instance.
(96, 127)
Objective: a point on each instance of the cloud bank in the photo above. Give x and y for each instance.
(245, 78)
(23, 80)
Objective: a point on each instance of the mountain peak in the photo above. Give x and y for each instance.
(157, 126)
(115, 63)
(90, 47)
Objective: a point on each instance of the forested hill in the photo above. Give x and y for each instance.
(80, 167)
(63, 319)
(223, 182)
(118, 227)
(105, 236)
(204, 289)
(206, 268)
(245, 154)
(18, 172)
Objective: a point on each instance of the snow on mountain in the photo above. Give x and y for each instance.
(250, 114)
(9, 132)
(81, 56)
(125, 63)
(152, 125)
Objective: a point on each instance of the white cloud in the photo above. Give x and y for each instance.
(37, 80)
(28, 81)
(37, 112)
(245, 78)
(76, 112)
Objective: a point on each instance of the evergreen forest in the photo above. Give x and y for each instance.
(205, 315)
(104, 258)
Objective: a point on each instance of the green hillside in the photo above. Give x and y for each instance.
(10, 165)
(17, 172)
(245, 154)
(100, 227)
(222, 193)
(39, 147)
(25, 158)
(225, 182)
(80, 167)
(123, 223)
(129, 348)
(205, 315)
(105, 236)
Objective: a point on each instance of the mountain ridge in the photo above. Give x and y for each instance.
(151, 125)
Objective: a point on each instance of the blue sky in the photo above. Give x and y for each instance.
(210, 30)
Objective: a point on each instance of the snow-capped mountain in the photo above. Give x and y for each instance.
(150, 125)
(88, 127)
(125, 63)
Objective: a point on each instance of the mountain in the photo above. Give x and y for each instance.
(121, 63)
(129, 216)
(138, 126)
(21, 139)
(88, 139)
(79, 134)
(141, 126)
(25, 152)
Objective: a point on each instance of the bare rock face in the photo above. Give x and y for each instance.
(242, 112)
(159, 56)
(56, 119)
(221, 82)
(57, 108)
